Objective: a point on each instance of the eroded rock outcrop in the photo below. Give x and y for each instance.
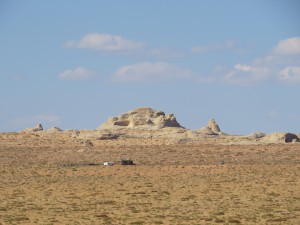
(257, 135)
(37, 128)
(54, 130)
(211, 128)
(281, 137)
(142, 117)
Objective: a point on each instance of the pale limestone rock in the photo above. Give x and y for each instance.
(54, 130)
(211, 128)
(37, 128)
(257, 135)
(281, 137)
(143, 117)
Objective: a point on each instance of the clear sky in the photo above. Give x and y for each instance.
(73, 64)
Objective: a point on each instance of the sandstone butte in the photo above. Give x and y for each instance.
(145, 122)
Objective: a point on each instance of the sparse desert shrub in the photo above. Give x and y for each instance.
(234, 221)
(219, 220)
(137, 223)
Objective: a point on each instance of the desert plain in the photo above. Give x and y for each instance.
(59, 178)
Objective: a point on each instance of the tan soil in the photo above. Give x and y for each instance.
(48, 179)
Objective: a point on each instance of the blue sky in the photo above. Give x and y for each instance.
(75, 63)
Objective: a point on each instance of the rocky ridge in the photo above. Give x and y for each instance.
(147, 123)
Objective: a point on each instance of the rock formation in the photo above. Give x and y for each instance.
(54, 130)
(145, 118)
(147, 123)
(88, 144)
(37, 128)
(281, 137)
(211, 128)
(257, 135)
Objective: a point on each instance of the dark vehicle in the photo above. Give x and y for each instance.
(126, 162)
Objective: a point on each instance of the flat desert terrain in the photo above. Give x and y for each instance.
(55, 179)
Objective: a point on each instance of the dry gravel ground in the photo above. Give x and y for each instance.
(49, 179)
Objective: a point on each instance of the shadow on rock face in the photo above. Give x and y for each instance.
(289, 137)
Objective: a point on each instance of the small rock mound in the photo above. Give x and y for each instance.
(257, 135)
(88, 144)
(211, 128)
(54, 130)
(143, 117)
(281, 137)
(37, 128)
(88, 147)
(74, 133)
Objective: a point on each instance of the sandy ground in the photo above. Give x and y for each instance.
(50, 179)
